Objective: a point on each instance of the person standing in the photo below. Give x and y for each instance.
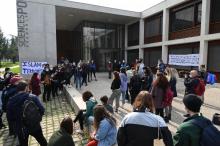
(147, 79)
(17, 107)
(46, 80)
(124, 84)
(135, 86)
(161, 66)
(109, 68)
(160, 86)
(115, 87)
(84, 74)
(105, 128)
(78, 76)
(140, 68)
(93, 70)
(35, 84)
(115, 66)
(171, 74)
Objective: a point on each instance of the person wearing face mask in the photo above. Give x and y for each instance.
(191, 81)
(46, 80)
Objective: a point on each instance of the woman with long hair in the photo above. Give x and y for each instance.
(115, 86)
(141, 127)
(105, 128)
(160, 86)
(35, 84)
(172, 75)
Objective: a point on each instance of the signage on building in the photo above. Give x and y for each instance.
(184, 60)
(30, 67)
(22, 21)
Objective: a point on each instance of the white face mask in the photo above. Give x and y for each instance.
(47, 69)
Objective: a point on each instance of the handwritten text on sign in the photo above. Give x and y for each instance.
(29, 67)
(184, 60)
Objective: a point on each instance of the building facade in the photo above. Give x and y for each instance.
(49, 30)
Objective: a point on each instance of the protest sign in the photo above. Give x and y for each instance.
(30, 67)
(184, 60)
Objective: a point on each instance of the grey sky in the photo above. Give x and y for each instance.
(8, 18)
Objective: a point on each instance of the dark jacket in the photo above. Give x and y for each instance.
(116, 83)
(7, 93)
(141, 128)
(173, 82)
(61, 138)
(15, 108)
(158, 95)
(190, 84)
(147, 82)
(188, 134)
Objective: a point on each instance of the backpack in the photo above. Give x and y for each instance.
(31, 116)
(200, 88)
(210, 135)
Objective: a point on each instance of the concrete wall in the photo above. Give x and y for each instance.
(37, 26)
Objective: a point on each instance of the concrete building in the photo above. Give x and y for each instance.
(50, 29)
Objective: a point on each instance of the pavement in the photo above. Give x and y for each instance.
(59, 107)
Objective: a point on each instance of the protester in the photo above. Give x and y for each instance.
(104, 100)
(7, 76)
(64, 135)
(1, 111)
(46, 80)
(147, 79)
(160, 86)
(78, 76)
(35, 84)
(26, 115)
(109, 68)
(124, 84)
(140, 68)
(161, 66)
(93, 70)
(203, 74)
(141, 127)
(171, 75)
(115, 66)
(129, 73)
(84, 74)
(195, 129)
(194, 85)
(115, 87)
(135, 86)
(86, 116)
(105, 128)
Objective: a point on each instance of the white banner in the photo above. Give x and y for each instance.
(184, 60)
(30, 67)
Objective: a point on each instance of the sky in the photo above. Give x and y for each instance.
(8, 19)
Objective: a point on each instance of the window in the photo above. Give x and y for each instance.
(133, 34)
(153, 27)
(186, 16)
(215, 11)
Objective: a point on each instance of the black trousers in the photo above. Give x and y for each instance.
(110, 74)
(47, 92)
(38, 135)
(93, 72)
(80, 117)
(54, 88)
(84, 80)
(159, 111)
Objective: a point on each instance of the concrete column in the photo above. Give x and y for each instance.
(203, 59)
(165, 35)
(126, 42)
(141, 38)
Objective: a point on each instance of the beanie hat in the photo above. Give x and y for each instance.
(192, 102)
(15, 79)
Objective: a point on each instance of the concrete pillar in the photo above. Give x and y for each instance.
(141, 38)
(203, 59)
(165, 35)
(126, 41)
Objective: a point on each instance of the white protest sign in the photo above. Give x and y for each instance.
(30, 67)
(184, 60)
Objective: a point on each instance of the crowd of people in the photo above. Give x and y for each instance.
(150, 95)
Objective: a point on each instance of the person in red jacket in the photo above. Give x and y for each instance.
(35, 84)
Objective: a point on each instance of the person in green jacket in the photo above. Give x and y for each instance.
(189, 134)
(87, 115)
(63, 137)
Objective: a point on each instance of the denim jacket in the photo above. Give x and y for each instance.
(106, 133)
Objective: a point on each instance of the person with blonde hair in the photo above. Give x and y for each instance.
(140, 127)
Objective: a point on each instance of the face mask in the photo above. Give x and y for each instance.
(47, 69)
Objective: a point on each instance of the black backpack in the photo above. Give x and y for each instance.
(31, 115)
(210, 135)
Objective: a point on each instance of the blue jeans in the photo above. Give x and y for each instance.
(78, 82)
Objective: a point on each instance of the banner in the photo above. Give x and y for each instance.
(184, 60)
(30, 67)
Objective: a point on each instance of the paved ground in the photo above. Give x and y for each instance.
(55, 112)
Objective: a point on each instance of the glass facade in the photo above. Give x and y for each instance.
(186, 16)
(153, 26)
(133, 34)
(102, 42)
